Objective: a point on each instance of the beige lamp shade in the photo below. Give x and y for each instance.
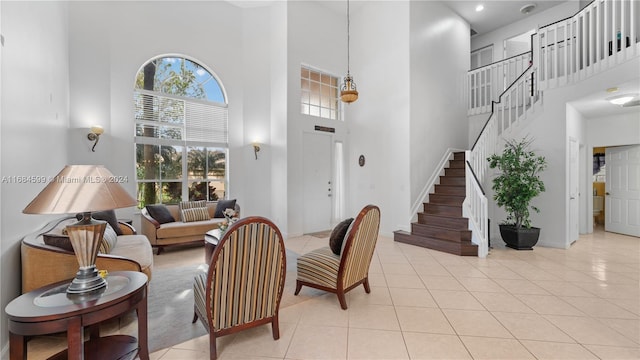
(81, 188)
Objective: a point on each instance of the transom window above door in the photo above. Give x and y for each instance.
(319, 93)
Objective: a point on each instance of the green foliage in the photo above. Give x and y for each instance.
(518, 182)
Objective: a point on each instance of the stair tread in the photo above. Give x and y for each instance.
(439, 227)
(464, 248)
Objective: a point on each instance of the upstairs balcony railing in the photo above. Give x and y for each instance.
(603, 34)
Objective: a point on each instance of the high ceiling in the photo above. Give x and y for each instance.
(496, 13)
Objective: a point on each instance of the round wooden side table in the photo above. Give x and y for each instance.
(49, 310)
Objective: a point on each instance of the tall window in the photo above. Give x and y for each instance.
(319, 93)
(181, 132)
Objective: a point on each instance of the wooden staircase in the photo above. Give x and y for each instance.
(441, 225)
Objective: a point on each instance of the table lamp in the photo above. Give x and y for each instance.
(83, 189)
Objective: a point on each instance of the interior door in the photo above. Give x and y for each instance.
(622, 190)
(574, 190)
(317, 182)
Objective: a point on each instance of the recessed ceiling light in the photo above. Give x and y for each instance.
(621, 99)
(479, 8)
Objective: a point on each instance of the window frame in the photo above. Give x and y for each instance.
(307, 101)
(190, 136)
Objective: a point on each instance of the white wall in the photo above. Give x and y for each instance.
(379, 121)
(105, 57)
(530, 22)
(256, 87)
(35, 117)
(614, 130)
(278, 144)
(439, 64)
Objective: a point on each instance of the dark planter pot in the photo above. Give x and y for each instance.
(519, 239)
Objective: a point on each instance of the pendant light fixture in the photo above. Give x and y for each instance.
(348, 92)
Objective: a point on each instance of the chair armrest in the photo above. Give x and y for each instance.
(127, 229)
(148, 217)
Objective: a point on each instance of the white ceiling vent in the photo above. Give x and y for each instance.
(527, 9)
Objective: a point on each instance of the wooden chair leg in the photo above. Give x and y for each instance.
(342, 299)
(365, 283)
(212, 345)
(275, 328)
(298, 287)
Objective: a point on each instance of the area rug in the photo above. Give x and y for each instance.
(170, 305)
(321, 234)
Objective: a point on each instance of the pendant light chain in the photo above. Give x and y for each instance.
(348, 39)
(348, 92)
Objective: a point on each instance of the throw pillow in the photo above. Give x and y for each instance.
(195, 214)
(109, 240)
(346, 235)
(160, 213)
(58, 240)
(108, 216)
(222, 206)
(337, 235)
(192, 204)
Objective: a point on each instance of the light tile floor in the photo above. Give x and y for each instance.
(580, 303)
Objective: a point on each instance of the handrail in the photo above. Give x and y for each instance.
(570, 17)
(476, 178)
(487, 82)
(493, 103)
(499, 61)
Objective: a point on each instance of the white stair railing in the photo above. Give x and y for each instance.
(513, 106)
(603, 34)
(488, 82)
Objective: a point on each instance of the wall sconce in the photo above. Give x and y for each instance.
(256, 148)
(94, 135)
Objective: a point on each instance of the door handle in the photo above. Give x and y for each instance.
(607, 193)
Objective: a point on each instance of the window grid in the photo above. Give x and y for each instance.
(181, 134)
(319, 94)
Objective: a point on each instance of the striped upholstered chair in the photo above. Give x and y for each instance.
(243, 286)
(322, 269)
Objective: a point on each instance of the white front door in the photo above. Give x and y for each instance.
(317, 186)
(574, 191)
(622, 190)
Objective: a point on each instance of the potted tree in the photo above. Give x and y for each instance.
(517, 183)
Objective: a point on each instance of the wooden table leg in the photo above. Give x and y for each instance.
(141, 310)
(75, 340)
(17, 347)
(94, 332)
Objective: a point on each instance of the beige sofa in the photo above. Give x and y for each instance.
(178, 232)
(43, 264)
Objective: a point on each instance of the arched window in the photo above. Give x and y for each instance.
(181, 134)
